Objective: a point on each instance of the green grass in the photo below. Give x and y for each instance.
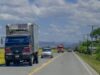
(39, 51)
(2, 60)
(54, 50)
(91, 61)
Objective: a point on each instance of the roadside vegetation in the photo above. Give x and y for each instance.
(89, 50)
(91, 60)
(2, 60)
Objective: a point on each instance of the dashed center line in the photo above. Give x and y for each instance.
(43, 65)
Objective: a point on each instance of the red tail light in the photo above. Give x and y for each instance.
(26, 49)
(7, 50)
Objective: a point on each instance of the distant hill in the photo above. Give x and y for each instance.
(54, 44)
(47, 44)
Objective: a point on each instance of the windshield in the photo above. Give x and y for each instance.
(46, 50)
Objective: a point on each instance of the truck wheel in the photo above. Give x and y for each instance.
(7, 63)
(51, 57)
(30, 62)
(62, 51)
(58, 51)
(42, 57)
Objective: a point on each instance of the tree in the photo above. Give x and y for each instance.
(95, 33)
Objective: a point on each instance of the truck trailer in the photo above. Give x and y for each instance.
(21, 43)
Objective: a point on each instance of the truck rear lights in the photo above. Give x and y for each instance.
(26, 49)
(7, 50)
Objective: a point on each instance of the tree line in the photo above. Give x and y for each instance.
(91, 47)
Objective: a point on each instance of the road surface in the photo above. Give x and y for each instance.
(62, 64)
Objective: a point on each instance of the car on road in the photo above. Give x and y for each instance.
(69, 50)
(47, 52)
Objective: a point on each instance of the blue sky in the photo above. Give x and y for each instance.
(58, 20)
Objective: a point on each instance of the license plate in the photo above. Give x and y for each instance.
(17, 56)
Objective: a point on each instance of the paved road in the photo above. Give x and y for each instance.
(21, 70)
(63, 64)
(67, 64)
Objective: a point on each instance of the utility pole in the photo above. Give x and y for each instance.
(88, 43)
(92, 39)
(1, 40)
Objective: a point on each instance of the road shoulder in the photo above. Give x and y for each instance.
(89, 69)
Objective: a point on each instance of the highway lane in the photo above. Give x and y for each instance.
(18, 70)
(62, 64)
(22, 69)
(67, 64)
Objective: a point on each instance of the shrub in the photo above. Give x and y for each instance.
(98, 53)
(98, 56)
(98, 50)
(82, 49)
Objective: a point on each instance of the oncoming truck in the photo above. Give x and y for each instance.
(20, 43)
(60, 48)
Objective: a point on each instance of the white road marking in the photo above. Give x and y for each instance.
(84, 64)
(43, 65)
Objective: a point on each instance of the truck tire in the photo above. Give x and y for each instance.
(58, 51)
(7, 63)
(30, 62)
(42, 56)
(51, 56)
(62, 51)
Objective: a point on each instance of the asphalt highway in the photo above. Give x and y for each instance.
(67, 63)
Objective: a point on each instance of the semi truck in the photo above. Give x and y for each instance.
(60, 48)
(20, 43)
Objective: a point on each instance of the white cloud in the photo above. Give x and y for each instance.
(83, 12)
(14, 2)
(64, 32)
(8, 16)
(0, 27)
(55, 28)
